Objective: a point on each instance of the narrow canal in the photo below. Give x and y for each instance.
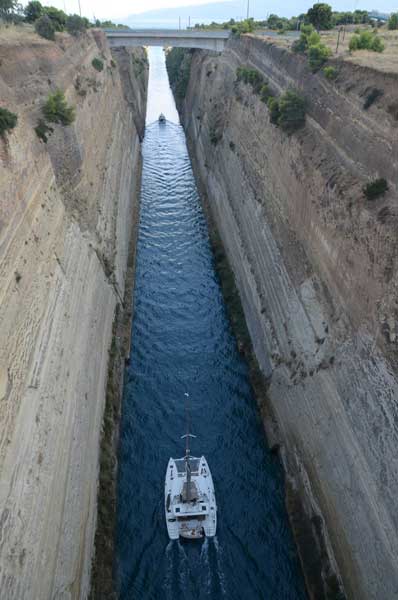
(182, 342)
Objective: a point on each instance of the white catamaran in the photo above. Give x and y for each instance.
(190, 502)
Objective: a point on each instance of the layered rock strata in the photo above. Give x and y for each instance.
(316, 267)
(65, 228)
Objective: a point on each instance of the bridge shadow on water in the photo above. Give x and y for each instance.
(182, 341)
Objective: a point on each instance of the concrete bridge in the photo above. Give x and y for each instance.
(180, 38)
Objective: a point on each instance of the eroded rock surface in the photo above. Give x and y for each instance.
(65, 227)
(316, 267)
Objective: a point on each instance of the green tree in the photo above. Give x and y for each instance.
(58, 17)
(320, 15)
(393, 21)
(7, 9)
(75, 25)
(274, 22)
(33, 11)
(361, 16)
(45, 27)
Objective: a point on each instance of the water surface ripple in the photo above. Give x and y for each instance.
(182, 341)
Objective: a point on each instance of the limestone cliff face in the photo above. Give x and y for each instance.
(316, 267)
(65, 228)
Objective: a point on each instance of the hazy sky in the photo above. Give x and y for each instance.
(103, 9)
(119, 9)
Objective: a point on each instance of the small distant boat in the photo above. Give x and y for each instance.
(190, 502)
(162, 118)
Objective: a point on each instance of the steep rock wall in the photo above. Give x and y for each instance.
(65, 228)
(316, 268)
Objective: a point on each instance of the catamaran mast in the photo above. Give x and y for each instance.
(187, 455)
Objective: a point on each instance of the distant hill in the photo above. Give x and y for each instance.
(236, 9)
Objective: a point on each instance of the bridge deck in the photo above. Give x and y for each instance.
(185, 38)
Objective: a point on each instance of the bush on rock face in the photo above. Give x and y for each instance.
(56, 109)
(330, 72)
(97, 64)
(291, 111)
(375, 188)
(250, 76)
(43, 130)
(274, 113)
(8, 121)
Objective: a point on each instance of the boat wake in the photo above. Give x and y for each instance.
(186, 576)
(168, 577)
(220, 570)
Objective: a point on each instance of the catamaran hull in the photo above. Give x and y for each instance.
(191, 510)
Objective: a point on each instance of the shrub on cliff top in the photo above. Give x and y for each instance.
(301, 44)
(97, 64)
(76, 25)
(56, 109)
(366, 40)
(317, 56)
(393, 21)
(310, 43)
(376, 188)
(245, 26)
(45, 27)
(8, 121)
(58, 17)
(8, 10)
(33, 11)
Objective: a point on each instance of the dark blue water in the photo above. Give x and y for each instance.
(182, 342)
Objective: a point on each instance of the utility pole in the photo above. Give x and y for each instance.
(80, 8)
(189, 22)
(247, 12)
(179, 21)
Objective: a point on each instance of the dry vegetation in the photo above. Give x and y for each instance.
(386, 61)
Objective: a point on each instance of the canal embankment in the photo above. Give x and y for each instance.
(69, 197)
(315, 265)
